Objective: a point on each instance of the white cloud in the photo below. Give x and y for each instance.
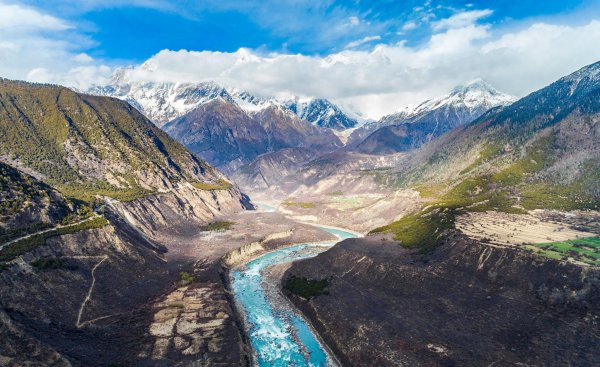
(409, 26)
(42, 48)
(390, 76)
(362, 41)
(16, 18)
(377, 81)
(461, 19)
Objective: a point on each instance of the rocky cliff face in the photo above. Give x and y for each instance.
(183, 206)
(465, 304)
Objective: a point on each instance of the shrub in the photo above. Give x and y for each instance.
(218, 226)
(421, 230)
(51, 264)
(306, 288)
(208, 186)
(28, 244)
(186, 278)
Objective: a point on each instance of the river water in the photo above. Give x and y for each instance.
(279, 335)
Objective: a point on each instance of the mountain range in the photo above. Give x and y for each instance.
(404, 131)
(162, 102)
(230, 128)
(121, 213)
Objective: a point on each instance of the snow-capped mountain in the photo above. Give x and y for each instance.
(422, 123)
(162, 102)
(321, 112)
(471, 99)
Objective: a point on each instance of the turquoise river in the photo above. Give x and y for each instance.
(279, 335)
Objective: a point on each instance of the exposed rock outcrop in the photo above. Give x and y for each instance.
(247, 251)
(184, 205)
(64, 299)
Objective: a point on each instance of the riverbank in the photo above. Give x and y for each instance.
(275, 275)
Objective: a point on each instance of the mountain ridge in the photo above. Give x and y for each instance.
(229, 137)
(162, 102)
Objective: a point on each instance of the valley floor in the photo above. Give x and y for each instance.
(197, 322)
(482, 296)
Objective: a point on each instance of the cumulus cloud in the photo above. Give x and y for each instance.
(16, 18)
(390, 76)
(42, 48)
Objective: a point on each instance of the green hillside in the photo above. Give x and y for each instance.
(28, 205)
(86, 145)
(542, 152)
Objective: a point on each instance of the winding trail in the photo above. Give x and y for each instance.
(80, 324)
(96, 215)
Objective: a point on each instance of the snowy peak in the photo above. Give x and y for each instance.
(462, 105)
(474, 96)
(249, 102)
(470, 100)
(163, 101)
(321, 112)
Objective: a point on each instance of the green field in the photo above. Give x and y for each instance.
(586, 250)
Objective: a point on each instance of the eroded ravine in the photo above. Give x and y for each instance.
(279, 334)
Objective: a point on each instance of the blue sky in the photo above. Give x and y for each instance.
(136, 30)
(372, 57)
